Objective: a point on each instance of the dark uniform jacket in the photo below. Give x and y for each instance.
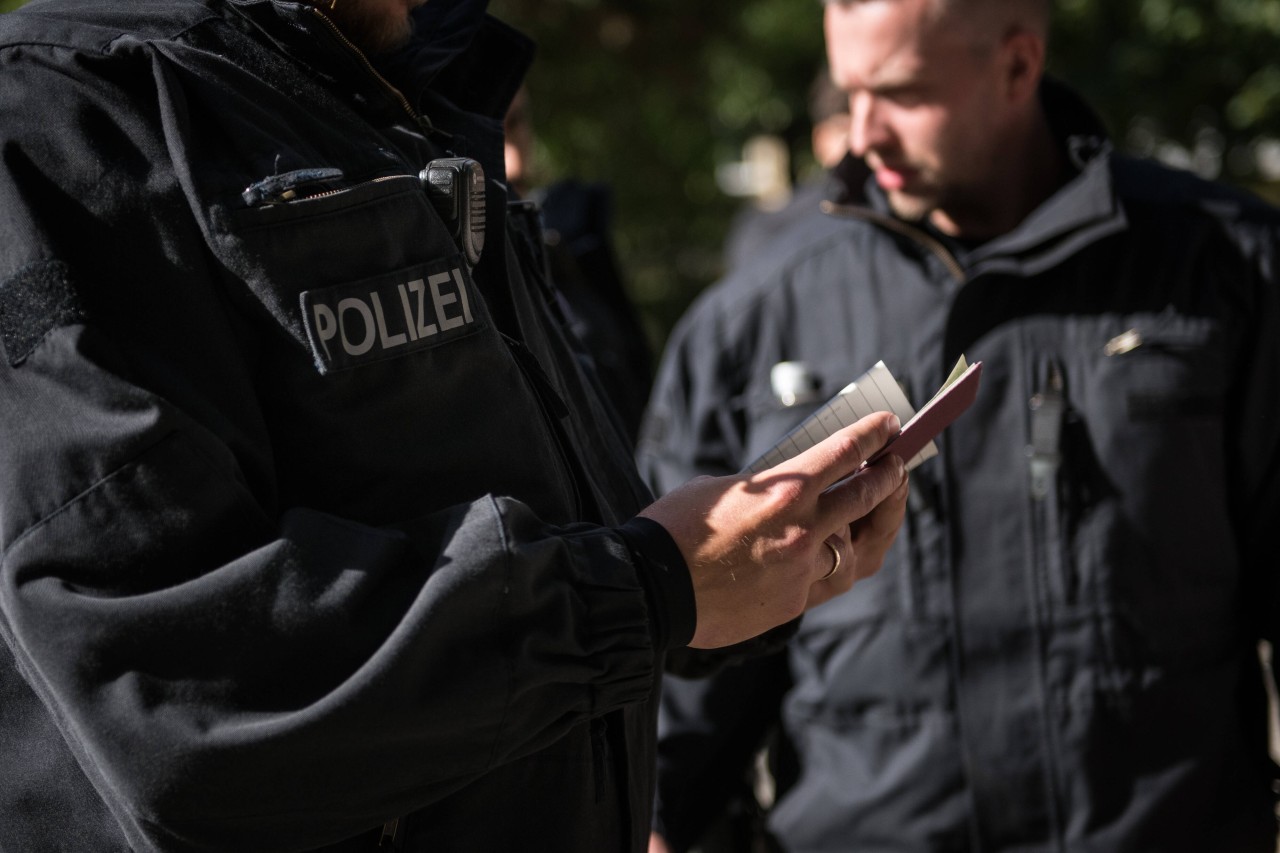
(1061, 651)
(306, 524)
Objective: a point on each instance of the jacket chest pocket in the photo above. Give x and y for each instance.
(364, 310)
(1127, 481)
(301, 250)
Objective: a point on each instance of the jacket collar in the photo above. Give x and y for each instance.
(457, 52)
(461, 53)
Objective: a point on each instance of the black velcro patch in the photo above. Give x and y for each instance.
(33, 302)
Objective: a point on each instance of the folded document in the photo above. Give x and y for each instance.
(877, 391)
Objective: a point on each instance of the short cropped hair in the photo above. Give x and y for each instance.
(996, 14)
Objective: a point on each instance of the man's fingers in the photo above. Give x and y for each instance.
(871, 535)
(831, 460)
(856, 496)
(883, 520)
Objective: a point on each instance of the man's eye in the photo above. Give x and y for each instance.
(904, 97)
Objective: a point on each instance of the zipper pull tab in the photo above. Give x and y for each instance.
(285, 187)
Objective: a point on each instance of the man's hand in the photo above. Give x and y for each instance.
(756, 544)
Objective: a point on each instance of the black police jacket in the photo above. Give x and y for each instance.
(312, 533)
(1060, 652)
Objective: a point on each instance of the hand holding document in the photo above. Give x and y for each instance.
(877, 391)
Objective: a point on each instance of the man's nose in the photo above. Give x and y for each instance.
(867, 128)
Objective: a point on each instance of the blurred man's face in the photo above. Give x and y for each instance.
(374, 26)
(924, 102)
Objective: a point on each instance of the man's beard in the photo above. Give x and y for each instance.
(911, 208)
(373, 33)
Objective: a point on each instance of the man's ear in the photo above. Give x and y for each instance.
(1023, 52)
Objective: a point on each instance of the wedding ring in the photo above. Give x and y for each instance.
(835, 552)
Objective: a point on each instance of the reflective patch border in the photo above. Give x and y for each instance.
(392, 315)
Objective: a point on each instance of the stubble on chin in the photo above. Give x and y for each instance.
(909, 208)
(375, 31)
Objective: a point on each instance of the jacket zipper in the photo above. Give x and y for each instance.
(390, 829)
(1049, 575)
(940, 251)
(600, 756)
(285, 194)
(328, 193)
(554, 410)
(419, 120)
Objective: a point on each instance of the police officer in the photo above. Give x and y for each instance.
(312, 533)
(1061, 651)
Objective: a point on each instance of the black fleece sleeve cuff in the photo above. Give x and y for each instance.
(664, 576)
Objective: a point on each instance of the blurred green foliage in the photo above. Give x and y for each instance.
(653, 96)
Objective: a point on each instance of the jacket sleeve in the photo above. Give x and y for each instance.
(232, 679)
(1254, 448)
(695, 422)
(231, 668)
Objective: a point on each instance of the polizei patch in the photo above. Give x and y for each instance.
(390, 315)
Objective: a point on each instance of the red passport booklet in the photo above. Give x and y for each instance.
(955, 396)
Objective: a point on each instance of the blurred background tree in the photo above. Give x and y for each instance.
(654, 98)
(658, 97)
